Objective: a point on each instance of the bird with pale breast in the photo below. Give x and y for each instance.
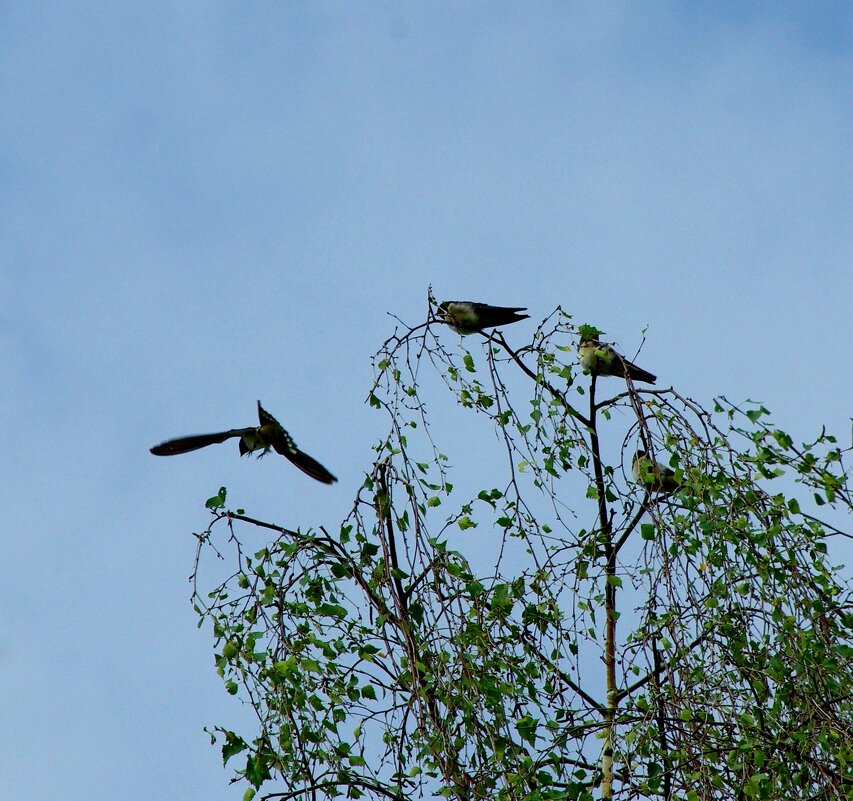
(653, 475)
(467, 317)
(599, 358)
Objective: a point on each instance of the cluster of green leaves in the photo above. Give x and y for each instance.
(288, 636)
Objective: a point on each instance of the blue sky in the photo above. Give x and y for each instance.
(202, 204)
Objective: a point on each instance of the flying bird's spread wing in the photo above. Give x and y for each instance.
(303, 461)
(468, 317)
(173, 447)
(269, 434)
(283, 443)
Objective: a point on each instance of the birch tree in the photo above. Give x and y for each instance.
(551, 585)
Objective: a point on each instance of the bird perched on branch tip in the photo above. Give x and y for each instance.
(599, 358)
(467, 317)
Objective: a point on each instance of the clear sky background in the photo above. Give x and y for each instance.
(203, 204)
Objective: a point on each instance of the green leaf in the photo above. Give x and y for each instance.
(233, 745)
(490, 496)
(257, 769)
(469, 363)
(465, 522)
(218, 500)
(526, 728)
(752, 788)
(586, 331)
(332, 610)
(783, 439)
(754, 414)
(285, 667)
(369, 550)
(367, 651)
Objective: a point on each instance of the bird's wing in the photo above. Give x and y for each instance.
(265, 417)
(307, 464)
(485, 307)
(491, 316)
(285, 445)
(173, 447)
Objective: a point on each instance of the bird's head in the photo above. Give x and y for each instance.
(448, 311)
(444, 310)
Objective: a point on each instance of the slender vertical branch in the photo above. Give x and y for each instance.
(661, 715)
(605, 530)
(445, 756)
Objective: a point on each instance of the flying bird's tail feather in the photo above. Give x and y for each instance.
(173, 447)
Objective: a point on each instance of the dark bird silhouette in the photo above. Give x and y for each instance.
(653, 475)
(269, 434)
(468, 318)
(600, 359)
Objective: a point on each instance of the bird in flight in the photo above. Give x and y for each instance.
(600, 359)
(653, 475)
(468, 318)
(269, 434)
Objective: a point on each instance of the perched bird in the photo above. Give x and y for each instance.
(600, 359)
(656, 477)
(269, 434)
(467, 317)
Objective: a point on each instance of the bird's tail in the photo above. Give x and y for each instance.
(639, 374)
(513, 315)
